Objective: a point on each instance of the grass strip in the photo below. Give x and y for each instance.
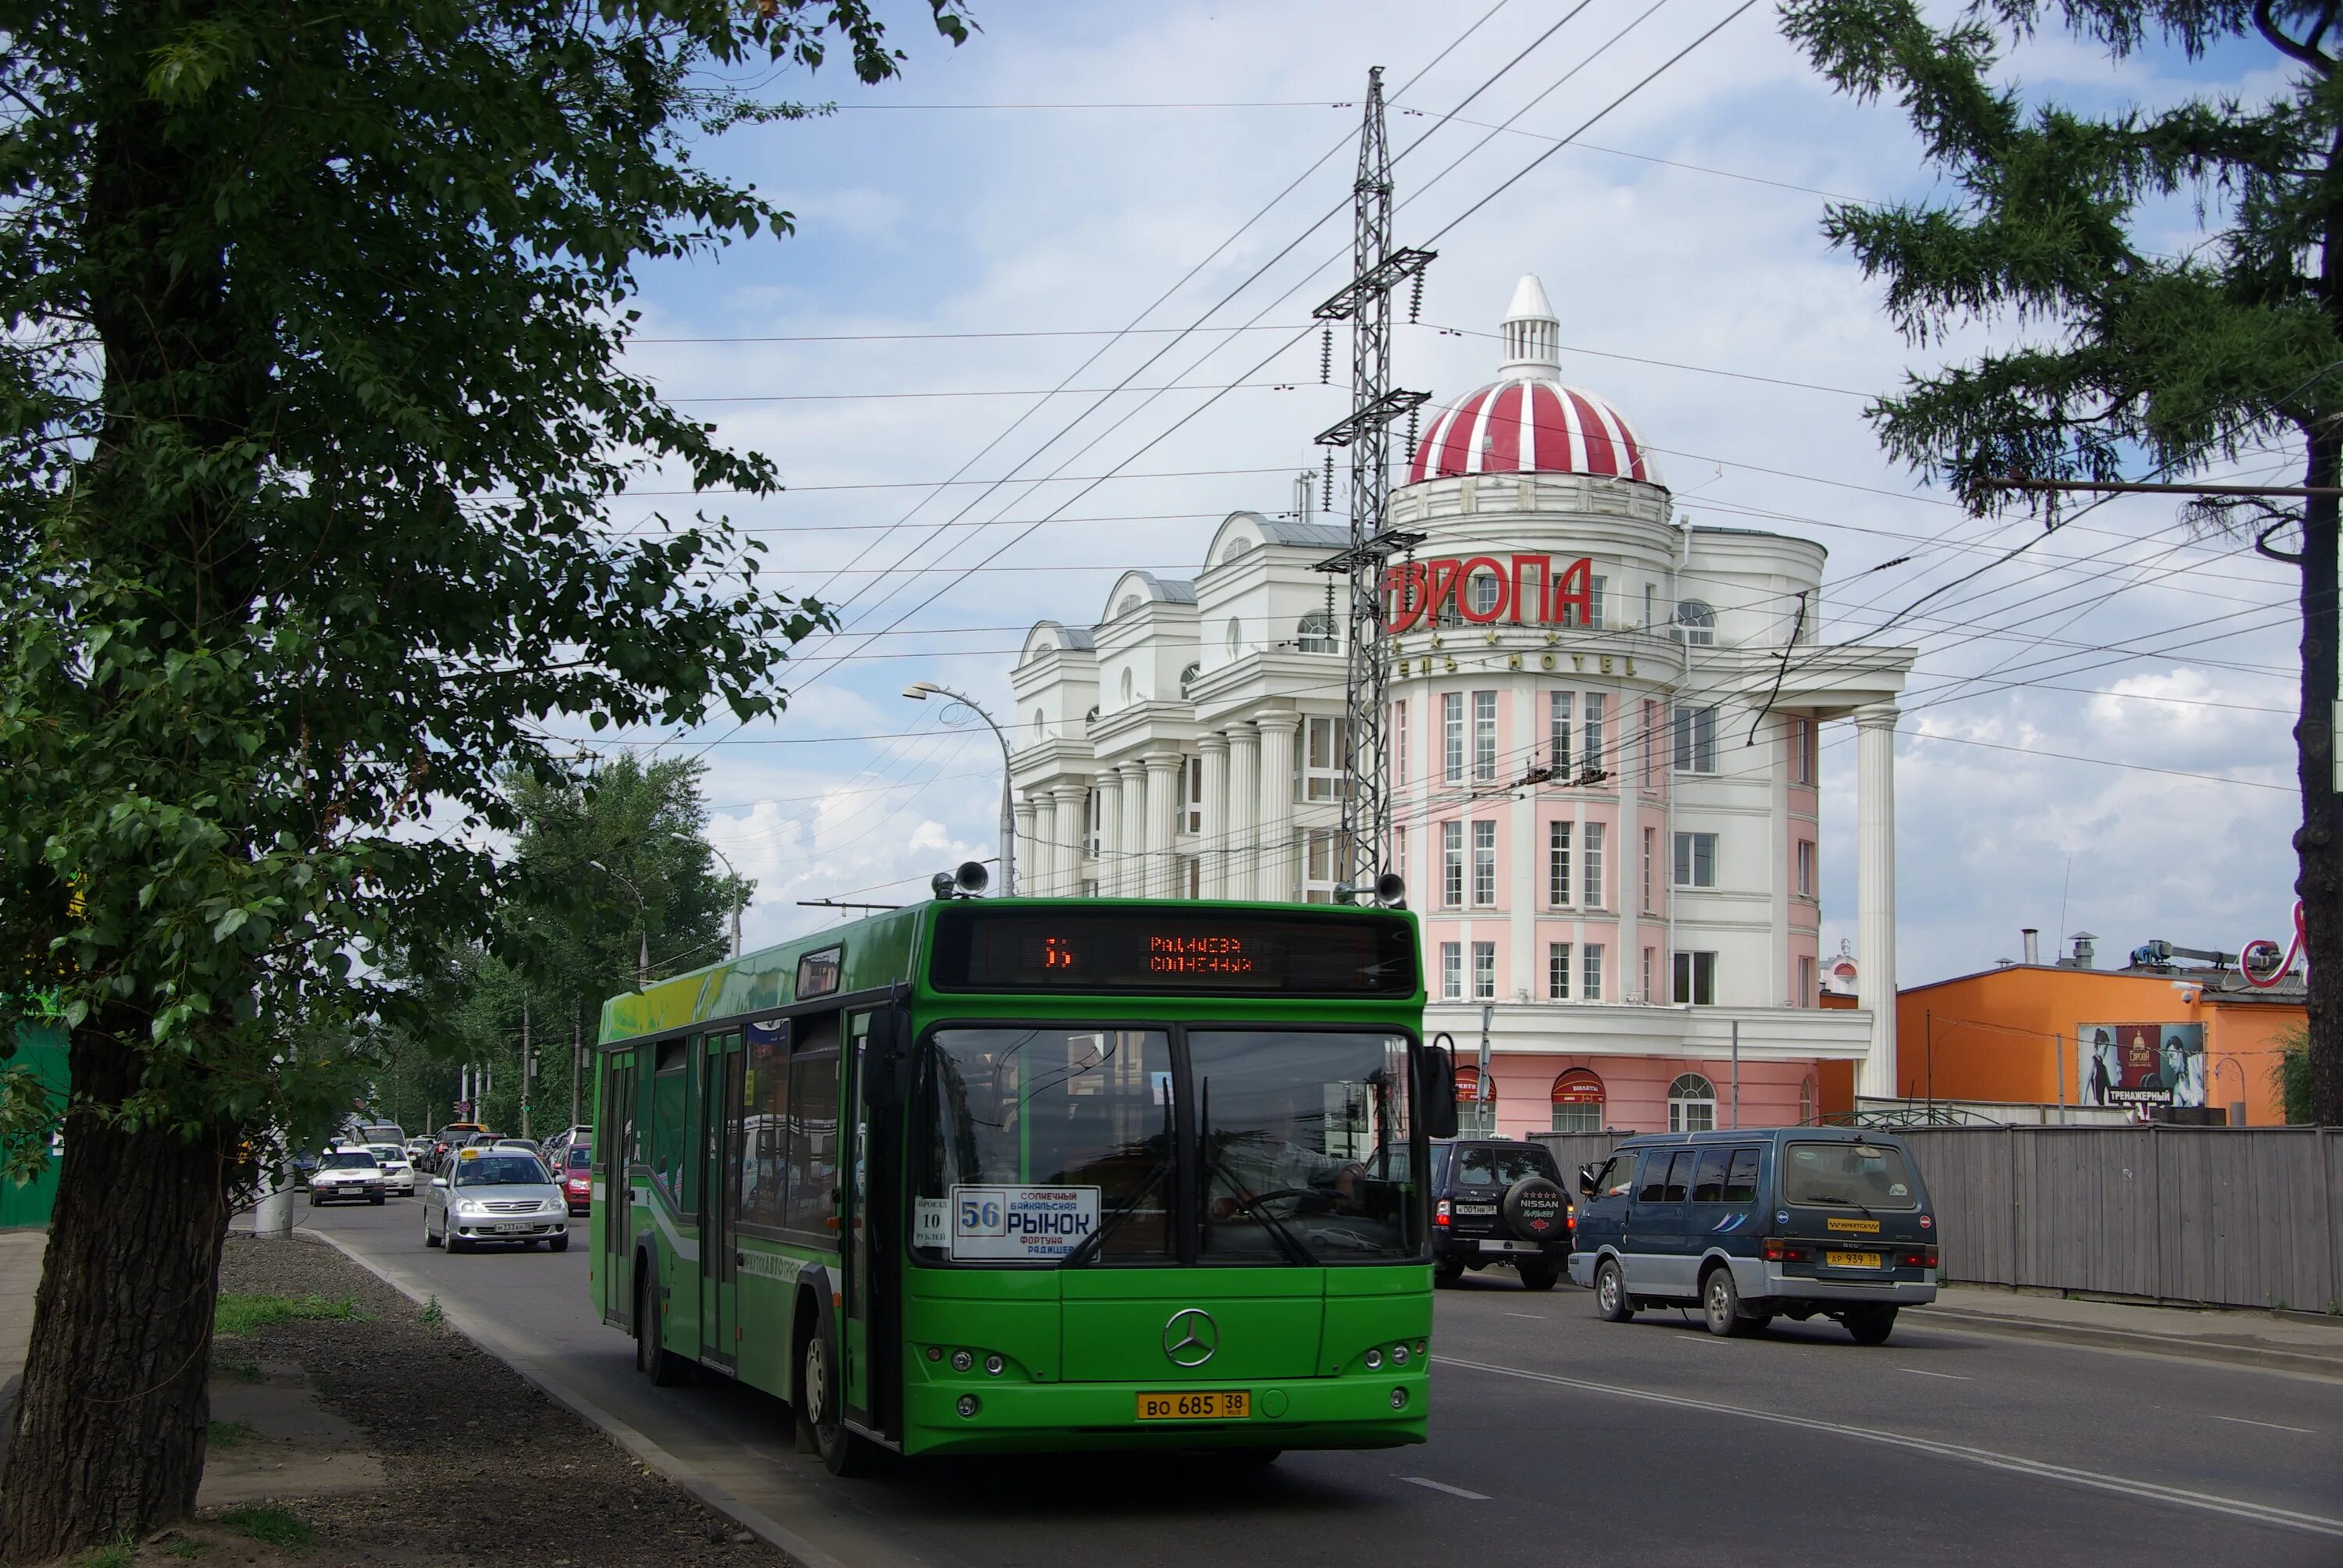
(240, 1314)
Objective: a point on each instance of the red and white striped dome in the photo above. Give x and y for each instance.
(1530, 422)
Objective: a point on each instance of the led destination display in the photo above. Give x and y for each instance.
(981, 948)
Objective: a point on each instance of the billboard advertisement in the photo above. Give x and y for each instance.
(2136, 1065)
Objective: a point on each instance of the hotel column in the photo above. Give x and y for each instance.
(1875, 859)
(1072, 832)
(1045, 835)
(1027, 864)
(1130, 874)
(1109, 856)
(1163, 822)
(1211, 842)
(1242, 851)
(1276, 797)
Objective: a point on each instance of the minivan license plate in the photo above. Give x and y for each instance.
(1220, 1404)
(1852, 1260)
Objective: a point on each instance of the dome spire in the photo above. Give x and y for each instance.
(1532, 337)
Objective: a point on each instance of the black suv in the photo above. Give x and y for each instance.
(1497, 1200)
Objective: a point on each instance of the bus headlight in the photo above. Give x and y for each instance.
(995, 1365)
(1375, 1359)
(962, 1361)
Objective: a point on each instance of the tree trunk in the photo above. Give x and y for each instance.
(2319, 842)
(108, 1436)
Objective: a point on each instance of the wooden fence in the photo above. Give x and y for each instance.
(2249, 1217)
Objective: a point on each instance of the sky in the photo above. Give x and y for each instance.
(2097, 735)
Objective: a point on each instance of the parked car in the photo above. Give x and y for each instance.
(397, 1171)
(1498, 1201)
(576, 1175)
(305, 1164)
(1789, 1221)
(347, 1176)
(556, 1146)
(494, 1195)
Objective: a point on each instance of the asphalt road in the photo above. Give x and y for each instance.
(1550, 1431)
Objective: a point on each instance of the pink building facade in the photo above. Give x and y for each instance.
(1606, 729)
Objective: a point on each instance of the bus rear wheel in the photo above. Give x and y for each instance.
(821, 1416)
(652, 1358)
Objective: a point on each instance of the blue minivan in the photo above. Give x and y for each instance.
(1784, 1221)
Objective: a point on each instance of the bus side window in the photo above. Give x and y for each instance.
(764, 1141)
(667, 1115)
(813, 1144)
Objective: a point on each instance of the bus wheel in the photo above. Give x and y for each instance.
(819, 1414)
(652, 1359)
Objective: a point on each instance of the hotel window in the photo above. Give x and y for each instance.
(1802, 751)
(1399, 852)
(1593, 621)
(1697, 740)
(1557, 971)
(1695, 860)
(1090, 806)
(1590, 883)
(1484, 972)
(1647, 743)
(1484, 738)
(1195, 813)
(1651, 605)
(1558, 720)
(1590, 972)
(1696, 624)
(1696, 978)
(1398, 745)
(1692, 1104)
(1452, 733)
(1651, 837)
(1805, 868)
(1325, 771)
(1452, 972)
(1557, 864)
(1192, 877)
(1806, 982)
(1484, 865)
(1451, 865)
(1325, 861)
(1485, 588)
(1590, 754)
(1314, 633)
(1649, 954)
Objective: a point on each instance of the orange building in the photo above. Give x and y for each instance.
(2140, 1037)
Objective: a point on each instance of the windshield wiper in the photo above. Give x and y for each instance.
(1090, 1246)
(1287, 1241)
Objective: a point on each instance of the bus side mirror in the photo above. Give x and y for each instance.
(1438, 1092)
(886, 1058)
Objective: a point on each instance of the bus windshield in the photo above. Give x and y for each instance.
(1067, 1146)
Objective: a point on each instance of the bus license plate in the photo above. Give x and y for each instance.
(1226, 1404)
(1852, 1260)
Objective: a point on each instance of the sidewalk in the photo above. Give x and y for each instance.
(2294, 1342)
(20, 1276)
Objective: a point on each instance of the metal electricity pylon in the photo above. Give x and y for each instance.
(1366, 304)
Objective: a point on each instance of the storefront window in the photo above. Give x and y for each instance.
(1578, 1102)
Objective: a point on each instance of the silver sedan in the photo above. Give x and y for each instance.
(494, 1195)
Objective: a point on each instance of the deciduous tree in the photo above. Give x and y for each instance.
(311, 403)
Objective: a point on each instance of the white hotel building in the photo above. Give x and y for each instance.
(1605, 729)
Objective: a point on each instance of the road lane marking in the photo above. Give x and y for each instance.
(1919, 1372)
(1444, 1486)
(2274, 1426)
(2211, 1503)
(1535, 1317)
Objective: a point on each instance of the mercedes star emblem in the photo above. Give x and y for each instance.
(1191, 1337)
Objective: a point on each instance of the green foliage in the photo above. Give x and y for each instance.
(241, 1313)
(2114, 348)
(118, 1555)
(271, 1525)
(311, 407)
(2291, 1076)
(433, 1315)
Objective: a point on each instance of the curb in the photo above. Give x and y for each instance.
(2267, 1357)
(804, 1554)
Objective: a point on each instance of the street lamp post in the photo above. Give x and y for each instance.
(919, 691)
(730, 870)
(642, 924)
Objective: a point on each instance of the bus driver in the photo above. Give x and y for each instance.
(1271, 1160)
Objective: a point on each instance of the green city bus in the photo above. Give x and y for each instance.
(1028, 1174)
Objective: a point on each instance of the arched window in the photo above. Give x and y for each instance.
(1091, 717)
(1692, 1104)
(1235, 547)
(1476, 1112)
(1578, 1102)
(1130, 603)
(1696, 623)
(1188, 677)
(1040, 725)
(1809, 1108)
(1316, 632)
(1126, 689)
(1236, 638)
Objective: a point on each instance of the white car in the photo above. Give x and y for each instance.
(494, 1195)
(347, 1176)
(398, 1169)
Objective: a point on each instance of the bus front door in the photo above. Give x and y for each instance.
(614, 1124)
(719, 1193)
